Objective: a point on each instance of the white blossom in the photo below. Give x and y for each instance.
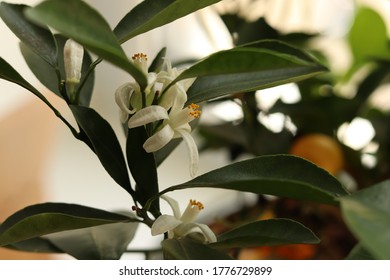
(180, 225)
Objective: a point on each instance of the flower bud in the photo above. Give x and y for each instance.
(73, 61)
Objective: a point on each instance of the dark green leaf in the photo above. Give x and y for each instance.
(187, 249)
(367, 214)
(151, 14)
(245, 69)
(158, 61)
(142, 166)
(38, 39)
(75, 19)
(359, 253)
(103, 141)
(37, 244)
(105, 242)
(266, 233)
(42, 219)
(279, 175)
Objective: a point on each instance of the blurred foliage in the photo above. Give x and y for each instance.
(322, 109)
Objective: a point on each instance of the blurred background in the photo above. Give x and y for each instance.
(339, 121)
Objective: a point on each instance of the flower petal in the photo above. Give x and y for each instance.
(174, 205)
(208, 233)
(163, 224)
(148, 115)
(187, 228)
(122, 99)
(159, 139)
(192, 149)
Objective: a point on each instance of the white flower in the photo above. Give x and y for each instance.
(182, 225)
(73, 61)
(129, 97)
(175, 124)
(168, 115)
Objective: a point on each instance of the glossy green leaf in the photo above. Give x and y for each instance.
(38, 39)
(367, 214)
(42, 219)
(102, 139)
(142, 167)
(37, 244)
(75, 19)
(279, 175)
(266, 233)
(150, 14)
(105, 242)
(246, 69)
(46, 74)
(158, 61)
(187, 249)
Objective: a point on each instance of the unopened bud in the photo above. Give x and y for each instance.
(73, 61)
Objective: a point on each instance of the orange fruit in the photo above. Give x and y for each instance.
(320, 149)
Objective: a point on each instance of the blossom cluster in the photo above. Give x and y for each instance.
(162, 106)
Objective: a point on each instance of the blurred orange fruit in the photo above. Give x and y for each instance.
(320, 149)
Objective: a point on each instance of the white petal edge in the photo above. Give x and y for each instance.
(174, 206)
(163, 224)
(148, 115)
(192, 150)
(186, 228)
(159, 139)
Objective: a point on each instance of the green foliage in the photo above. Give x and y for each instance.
(248, 68)
(368, 215)
(87, 27)
(95, 243)
(41, 219)
(262, 60)
(279, 175)
(266, 233)
(151, 14)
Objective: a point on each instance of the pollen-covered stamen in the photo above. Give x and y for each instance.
(192, 211)
(194, 112)
(195, 203)
(140, 60)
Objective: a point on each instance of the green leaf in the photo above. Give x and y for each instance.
(105, 242)
(368, 37)
(367, 214)
(77, 20)
(37, 244)
(38, 39)
(266, 233)
(246, 69)
(42, 219)
(187, 249)
(279, 175)
(103, 141)
(46, 74)
(142, 167)
(151, 14)
(158, 61)
(359, 253)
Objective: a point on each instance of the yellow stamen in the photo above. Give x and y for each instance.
(198, 204)
(194, 112)
(139, 57)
